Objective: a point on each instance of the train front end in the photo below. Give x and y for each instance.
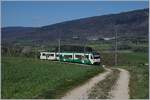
(96, 60)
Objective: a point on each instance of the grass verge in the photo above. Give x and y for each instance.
(139, 81)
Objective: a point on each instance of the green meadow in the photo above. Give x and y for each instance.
(24, 77)
(33, 78)
(136, 64)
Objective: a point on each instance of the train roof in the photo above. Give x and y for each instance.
(73, 48)
(95, 53)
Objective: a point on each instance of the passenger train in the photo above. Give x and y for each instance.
(74, 57)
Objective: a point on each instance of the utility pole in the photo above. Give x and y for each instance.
(116, 48)
(84, 47)
(8, 48)
(59, 48)
(59, 40)
(35, 50)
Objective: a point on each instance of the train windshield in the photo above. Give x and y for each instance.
(96, 56)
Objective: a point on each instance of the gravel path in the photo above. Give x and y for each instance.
(121, 89)
(81, 92)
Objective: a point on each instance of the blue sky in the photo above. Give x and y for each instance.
(40, 13)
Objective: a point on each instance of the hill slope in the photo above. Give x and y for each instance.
(133, 23)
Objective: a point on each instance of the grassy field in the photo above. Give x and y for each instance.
(139, 80)
(31, 78)
(100, 46)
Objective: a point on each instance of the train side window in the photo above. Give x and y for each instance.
(67, 56)
(43, 54)
(87, 56)
(57, 55)
(78, 56)
(51, 55)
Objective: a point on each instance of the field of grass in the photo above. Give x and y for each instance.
(33, 78)
(100, 47)
(139, 80)
(125, 59)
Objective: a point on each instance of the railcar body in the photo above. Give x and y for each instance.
(74, 57)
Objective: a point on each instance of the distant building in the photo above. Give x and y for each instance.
(106, 39)
(93, 38)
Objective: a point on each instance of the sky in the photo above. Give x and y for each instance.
(41, 13)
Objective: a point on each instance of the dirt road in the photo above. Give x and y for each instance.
(81, 92)
(121, 89)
